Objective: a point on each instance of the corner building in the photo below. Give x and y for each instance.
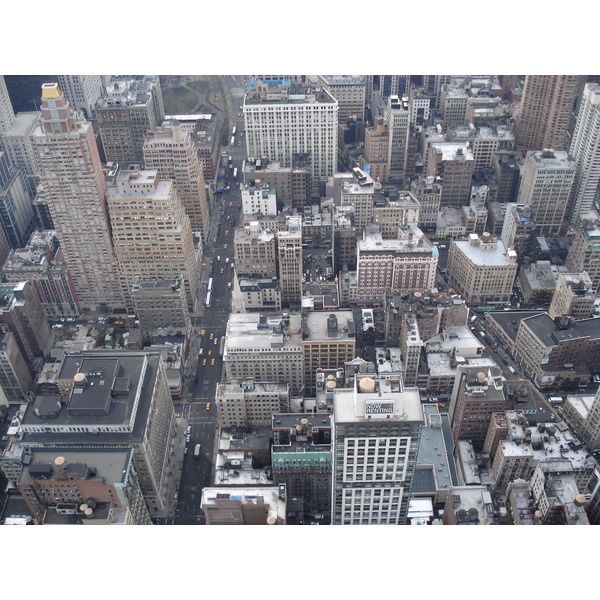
(377, 428)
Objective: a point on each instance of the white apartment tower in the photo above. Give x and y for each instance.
(63, 143)
(152, 235)
(585, 149)
(282, 120)
(170, 150)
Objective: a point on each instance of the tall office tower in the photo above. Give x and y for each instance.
(377, 428)
(377, 142)
(301, 458)
(432, 85)
(170, 150)
(481, 269)
(82, 92)
(328, 341)
(453, 105)
(397, 120)
(17, 145)
(159, 304)
(24, 90)
(7, 114)
(546, 187)
(388, 85)
(41, 263)
(429, 193)
(151, 232)
(349, 91)
(251, 403)
(255, 251)
(284, 118)
(111, 399)
(585, 149)
(476, 395)
(401, 265)
(545, 111)
(83, 486)
(289, 259)
(16, 212)
(411, 345)
(359, 195)
(129, 109)
(454, 163)
(264, 348)
(63, 142)
(15, 377)
(584, 253)
(507, 166)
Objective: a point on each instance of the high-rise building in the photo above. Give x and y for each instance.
(151, 232)
(126, 112)
(477, 394)
(41, 262)
(289, 259)
(377, 142)
(377, 427)
(251, 403)
(408, 263)
(398, 125)
(585, 149)
(82, 92)
(170, 151)
(455, 165)
(264, 348)
(546, 187)
(507, 166)
(255, 252)
(573, 296)
(7, 114)
(15, 377)
(84, 486)
(63, 142)
(301, 458)
(111, 399)
(411, 344)
(16, 212)
(160, 304)
(584, 253)
(349, 91)
(545, 111)
(283, 118)
(328, 341)
(518, 228)
(481, 269)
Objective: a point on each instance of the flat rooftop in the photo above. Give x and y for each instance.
(493, 255)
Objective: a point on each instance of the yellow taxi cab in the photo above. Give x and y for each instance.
(178, 415)
(208, 406)
(212, 362)
(222, 270)
(224, 246)
(212, 335)
(231, 204)
(210, 352)
(226, 232)
(202, 332)
(203, 362)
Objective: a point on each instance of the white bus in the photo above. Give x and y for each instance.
(232, 141)
(197, 450)
(233, 130)
(210, 284)
(235, 174)
(555, 400)
(207, 301)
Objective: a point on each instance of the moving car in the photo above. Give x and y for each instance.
(212, 362)
(208, 406)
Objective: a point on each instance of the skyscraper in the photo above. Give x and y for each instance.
(170, 150)
(7, 114)
(71, 173)
(284, 118)
(151, 232)
(82, 92)
(377, 427)
(545, 111)
(585, 149)
(289, 252)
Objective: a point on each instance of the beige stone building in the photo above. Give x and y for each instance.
(255, 251)
(584, 254)
(152, 235)
(481, 269)
(573, 296)
(289, 255)
(170, 151)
